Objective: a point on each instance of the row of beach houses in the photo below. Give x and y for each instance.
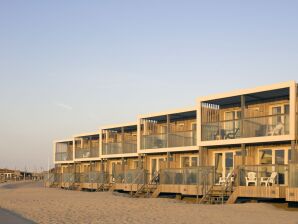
(240, 145)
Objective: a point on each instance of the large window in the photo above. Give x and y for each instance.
(265, 156)
(189, 161)
(280, 156)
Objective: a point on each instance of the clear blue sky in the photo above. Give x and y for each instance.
(68, 67)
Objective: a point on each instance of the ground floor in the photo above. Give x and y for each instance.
(229, 173)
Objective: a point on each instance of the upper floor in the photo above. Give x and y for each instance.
(168, 131)
(119, 140)
(258, 115)
(63, 150)
(263, 114)
(86, 146)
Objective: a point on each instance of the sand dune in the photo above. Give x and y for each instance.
(44, 205)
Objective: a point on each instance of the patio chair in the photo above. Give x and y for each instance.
(267, 181)
(226, 180)
(233, 134)
(251, 178)
(277, 129)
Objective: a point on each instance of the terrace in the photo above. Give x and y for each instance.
(87, 146)
(119, 140)
(259, 114)
(64, 151)
(169, 130)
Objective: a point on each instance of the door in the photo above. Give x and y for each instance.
(155, 166)
(232, 124)
(280, 120)
(218, 166)
(113, 170)
(224, 164)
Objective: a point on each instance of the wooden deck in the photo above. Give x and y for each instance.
(182, 189)
(292, 194)
(261, 192)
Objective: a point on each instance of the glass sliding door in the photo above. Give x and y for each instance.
(218, 166)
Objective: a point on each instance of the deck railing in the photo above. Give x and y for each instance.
(272, 125)
(119, 148)
(168, 140)
(93, 177)
(263, 175)
(68, 177)
(63, 156)
(134, 176)
(86, 152)
(188, 176)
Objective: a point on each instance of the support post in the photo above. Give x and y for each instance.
(168, 129)
(168, 160)
(140, 164)
(243, 153)
(122, 140)
(294, 152)
(242, 116)
(202, 156)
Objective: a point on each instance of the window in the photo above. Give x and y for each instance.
(280, 156)
(265, 156)
(189, 161)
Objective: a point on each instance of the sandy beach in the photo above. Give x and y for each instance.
(45, 205)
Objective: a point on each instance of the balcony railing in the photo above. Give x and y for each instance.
(263, 175)
(86, 152)
(63, 156)
(273, 125)
(173, 139)
(188, 176)
(93, 177)
(132, 176)
(119, 148)
(68, 177)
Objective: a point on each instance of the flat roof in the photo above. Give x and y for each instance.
(240, 92)
(174, 111)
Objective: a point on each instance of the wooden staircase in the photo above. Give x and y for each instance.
(220, 194)
(104, 187)
(217, 194)
(148, 189)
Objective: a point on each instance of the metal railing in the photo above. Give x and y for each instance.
(93, 177)
(188, 176)
(263, 175)
(167, 140)
(68, 178)
(86, 152)
(119, 148)
(63, 156)
(272, 125)
(135, 176)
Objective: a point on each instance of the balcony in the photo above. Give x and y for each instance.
(87, 152)
(246, 128)
(119, 140)
(63, 151)
(260, 114)
(169, 131)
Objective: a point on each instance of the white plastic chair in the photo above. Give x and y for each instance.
(269, 180)
(251, 178)
(226, 180)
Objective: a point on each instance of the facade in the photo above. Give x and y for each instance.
(241, 144)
